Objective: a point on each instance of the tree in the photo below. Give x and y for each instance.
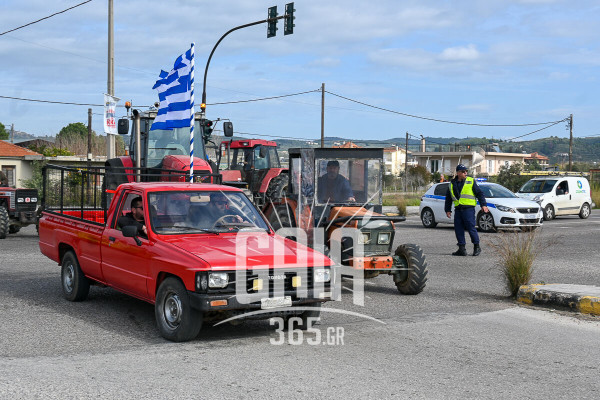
(3, 132)
(510, 176)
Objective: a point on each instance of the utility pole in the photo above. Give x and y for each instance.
(571, 143)
(406, 163)
(89, 152)
(322, 115)
(110, 89)
(12, 133)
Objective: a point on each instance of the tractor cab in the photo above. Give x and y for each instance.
(254, 165)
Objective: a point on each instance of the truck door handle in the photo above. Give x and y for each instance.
(111, 238)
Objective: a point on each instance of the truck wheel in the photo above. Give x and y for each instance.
(427, 218)
(585, 211)
(413, 280)
(74, 283)
(3, 222)
(14, 228)
(277, 188)
(177, 320)
(485, 222)
(549, 213)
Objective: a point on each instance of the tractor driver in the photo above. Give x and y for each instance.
(333, 187)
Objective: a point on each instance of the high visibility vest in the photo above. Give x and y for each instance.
(467, 196)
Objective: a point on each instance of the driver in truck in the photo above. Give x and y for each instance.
(333, 187)
(219, 205)
(135, 217)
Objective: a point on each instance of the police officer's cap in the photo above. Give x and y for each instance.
(460, 167)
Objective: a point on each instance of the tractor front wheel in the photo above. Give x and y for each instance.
(3, 222)
(411, 276)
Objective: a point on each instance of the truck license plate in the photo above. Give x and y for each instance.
(275, 302)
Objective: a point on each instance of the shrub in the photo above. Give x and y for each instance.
(516, 253)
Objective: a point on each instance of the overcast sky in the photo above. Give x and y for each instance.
(474, 61)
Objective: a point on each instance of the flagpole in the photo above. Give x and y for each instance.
(192, 116)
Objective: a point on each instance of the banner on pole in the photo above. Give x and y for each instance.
(110, 113)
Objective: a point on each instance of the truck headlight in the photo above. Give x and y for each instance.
(384, 238)
(322, 275)
(218, 280)
(505, 209)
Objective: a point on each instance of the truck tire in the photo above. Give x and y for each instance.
(74, 283)
(585, 211)
(413, 281)
(277, 188)
(177, 320)
(3, 222)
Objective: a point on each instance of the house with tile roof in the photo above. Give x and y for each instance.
(16, 162)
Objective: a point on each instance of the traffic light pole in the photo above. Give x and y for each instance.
(203, 105)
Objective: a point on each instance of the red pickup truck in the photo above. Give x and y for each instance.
(193, 250)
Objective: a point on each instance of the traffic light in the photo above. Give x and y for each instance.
(207, 127)
(288, 27)
(272, 25)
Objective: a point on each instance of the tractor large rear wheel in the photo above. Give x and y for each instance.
(281, 217)
(3, 222)
(277, 188)
(412, 277)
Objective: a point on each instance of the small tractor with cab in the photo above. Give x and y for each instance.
(307, 206)
(18, 208)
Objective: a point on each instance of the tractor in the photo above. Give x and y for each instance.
(254, 165)
(161, 155)
(310, 205)
(18, 208)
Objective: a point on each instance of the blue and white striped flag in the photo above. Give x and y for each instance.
(175, 94)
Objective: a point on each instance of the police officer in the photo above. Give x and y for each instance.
(463, 192)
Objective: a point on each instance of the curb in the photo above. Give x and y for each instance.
(393, 210)
(582, 298)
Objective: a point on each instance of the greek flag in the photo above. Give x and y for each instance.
(176, 94)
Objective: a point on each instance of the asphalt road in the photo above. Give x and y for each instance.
(461, 338)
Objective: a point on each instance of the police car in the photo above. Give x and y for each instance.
(506, 209)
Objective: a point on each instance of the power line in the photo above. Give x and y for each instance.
(264, 98)
(439, 120)
(53, 102)
(41, 19)
(541, 129)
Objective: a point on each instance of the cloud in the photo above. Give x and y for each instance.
(460, 53)
(326, 62)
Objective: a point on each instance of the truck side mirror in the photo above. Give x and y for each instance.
(131, 231)
(123, 126)
(228, 129)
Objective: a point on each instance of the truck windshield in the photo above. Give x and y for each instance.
(163, 143)
(348, 181)
(538, 186)
(195, 212)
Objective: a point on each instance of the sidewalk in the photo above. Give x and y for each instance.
(582, 298)
(393, 210)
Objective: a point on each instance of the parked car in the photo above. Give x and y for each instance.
(568, 195)
(506, 209)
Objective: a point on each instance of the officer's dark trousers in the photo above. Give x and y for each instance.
(464, 220)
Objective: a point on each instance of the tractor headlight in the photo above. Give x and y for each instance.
(384, 238)
(505, 209)
(218, 280)
(322, 275)
(364, 237)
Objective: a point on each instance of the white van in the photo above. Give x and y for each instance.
(559, 195)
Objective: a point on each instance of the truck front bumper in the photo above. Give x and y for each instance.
(219, 302)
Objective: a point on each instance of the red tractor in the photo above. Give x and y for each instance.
(254, 164)
(18, 208)
(162, 155)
